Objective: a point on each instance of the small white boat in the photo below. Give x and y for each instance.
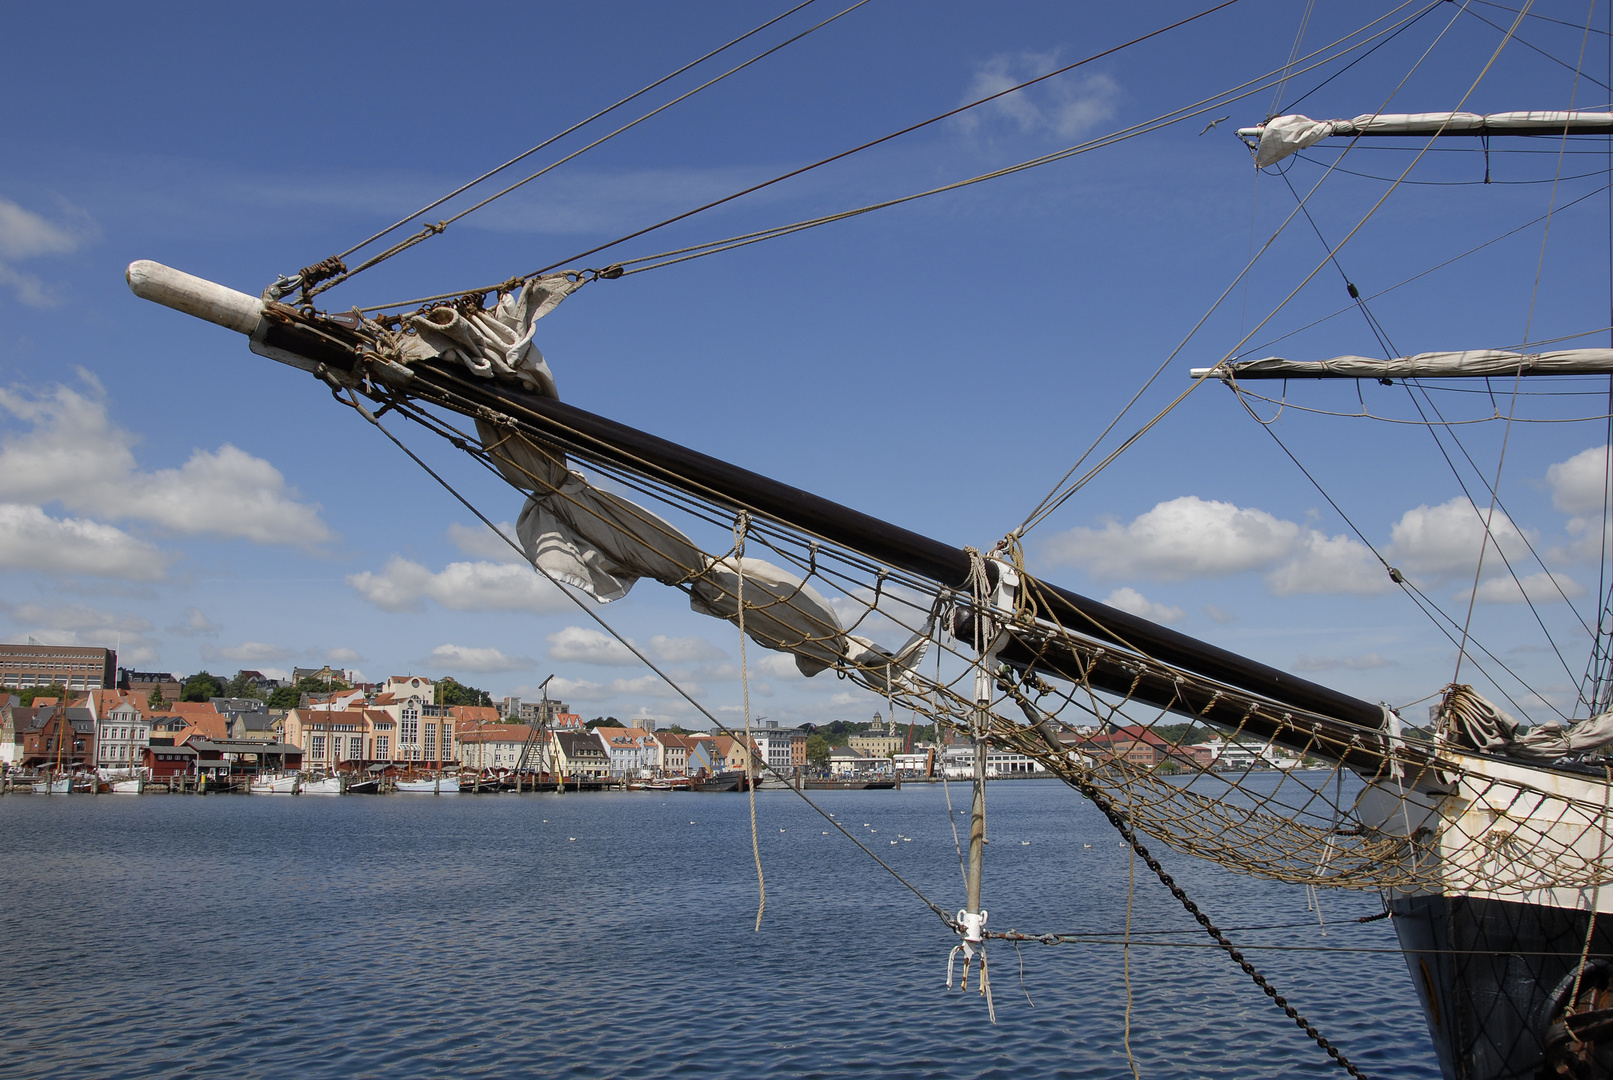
(53, 787)
(447, 785)
(275, 785)
(127, 787)
(331, 785)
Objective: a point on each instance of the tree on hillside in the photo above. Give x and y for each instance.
(155, 700)
(602, 721)
(289, 697)
(241, 687)
(201, 686)
(57, 691)
(453, 692)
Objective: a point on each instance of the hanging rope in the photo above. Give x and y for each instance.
(741, 528)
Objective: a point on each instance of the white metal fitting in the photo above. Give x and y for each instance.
(972, 925)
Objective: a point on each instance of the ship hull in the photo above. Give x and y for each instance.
(1492, 976)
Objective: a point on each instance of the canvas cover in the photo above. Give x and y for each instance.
(782, 612)
(1287, 135)
(602, 543)
(1474, 363)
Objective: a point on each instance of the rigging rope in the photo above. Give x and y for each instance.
(435, 230)
(574, 127)
(1246, 89)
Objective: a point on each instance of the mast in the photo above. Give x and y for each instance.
(333, 348)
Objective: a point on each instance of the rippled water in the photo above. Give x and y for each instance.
(610, 935)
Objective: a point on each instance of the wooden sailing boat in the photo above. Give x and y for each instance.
(1493, 854)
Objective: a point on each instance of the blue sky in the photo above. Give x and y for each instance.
(939, 364)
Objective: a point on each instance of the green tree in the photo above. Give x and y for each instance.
(817, 751)
(452, 692)
(602, 721)
(289, 697)
(201, 686)
(241, 687)
(57, 691)
(155, 700)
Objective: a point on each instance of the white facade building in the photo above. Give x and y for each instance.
(121, 738)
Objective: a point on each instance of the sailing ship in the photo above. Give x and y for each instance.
(1488, 842)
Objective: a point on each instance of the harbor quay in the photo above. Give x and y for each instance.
(323, 732)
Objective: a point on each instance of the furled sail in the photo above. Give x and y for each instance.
(1287, 135)
(1473, 363)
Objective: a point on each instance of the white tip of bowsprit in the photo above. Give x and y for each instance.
(194, 296)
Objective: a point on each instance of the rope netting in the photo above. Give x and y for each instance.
(1208, 769)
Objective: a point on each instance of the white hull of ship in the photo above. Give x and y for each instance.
(1494, 943)
(331, 785)
(275, 785)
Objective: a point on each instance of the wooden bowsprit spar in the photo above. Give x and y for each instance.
(1135, 658)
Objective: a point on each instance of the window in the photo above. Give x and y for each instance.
(355, 746)
(318, 746)
(382, 747)
(431, 740)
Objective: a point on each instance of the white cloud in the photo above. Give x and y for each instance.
(460, 586)
(1363, 662)
(569, 690)
(1130, 600)
(26, 235)
(32, 540)
(1578, 488)
(1182, 538)
(1065, 105)
(653, 686)
(75, 624)
(777, 664)
(193, 622)
(676, 650)
(1220, 615)
(1441, 541)
(467, 658)
(1540, 588)
(249, 652)
(73, 454)
(1329, 564)
(581, 645)
(1580, 484)
(341, 656)
(479, 542)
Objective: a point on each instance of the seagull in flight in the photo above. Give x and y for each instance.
(1212, 123)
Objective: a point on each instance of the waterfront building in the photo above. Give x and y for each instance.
(579, 753)
(849, 761)
(881, 740)
(958, 763)
(632, 751)
(120, 738)
(496, 747)
(781, 748)
(58, 734)
(165, 760)
(332, 738)
(75, 667)
(674, 753)
(730, 755)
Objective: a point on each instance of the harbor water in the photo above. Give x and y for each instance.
(610, 935)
